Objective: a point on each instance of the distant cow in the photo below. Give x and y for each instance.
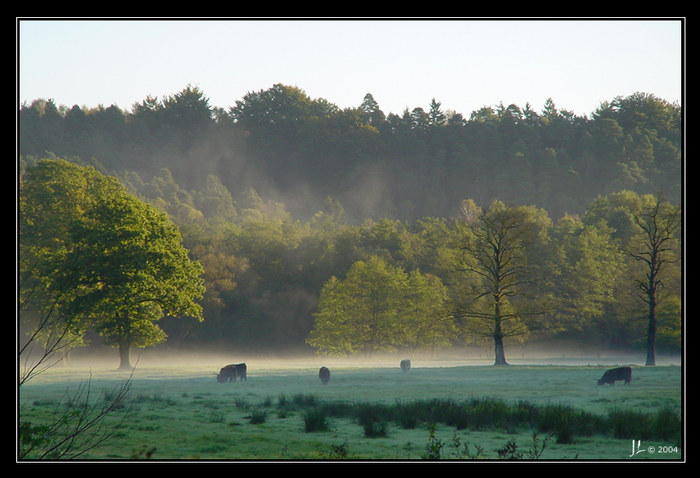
(324, 374)
(241, 371)
(230, 372)
(227, 374)
(614, 374)
(405, 365)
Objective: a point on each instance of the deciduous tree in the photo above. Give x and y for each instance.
(498, 255)
(379, 307)
(122, 265)
(654, 246)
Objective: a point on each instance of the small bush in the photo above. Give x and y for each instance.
(433, 449)
(338, 451)
(241, 403)
(489, 413)
(524, 413)
(562, 430)
(375, 429)
(315, 420)
(629, 424)
(565, 422)
(666, 425)
(216, 417)
(509, 451)
(457, 416)
(302, 400)
(407, 421)
(373, 419)
(338, 409)
(283, 401)
(258, 416)
(407, 415)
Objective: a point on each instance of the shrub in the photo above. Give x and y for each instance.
(629, 424)
(433, 449)
(406, 421)
(302, 400)
(375, 429)
(283, 401)
(666, 425)
(315, 420)
(241, 403)
(565, 422)
(562, 421)
(338, 409)
(457, 416)
(338, 451)
(486, 413)
(509, 451)
(258, 416)
(373, 419)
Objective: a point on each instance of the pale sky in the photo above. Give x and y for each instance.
(463, 64)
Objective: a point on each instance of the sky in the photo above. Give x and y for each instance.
(462, 64)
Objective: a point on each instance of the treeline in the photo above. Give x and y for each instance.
(423, 162)
(228, 179)
(268, 274)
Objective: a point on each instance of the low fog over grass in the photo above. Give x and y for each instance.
(516, 354)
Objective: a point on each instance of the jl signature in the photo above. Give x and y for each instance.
(660, 449)
(637, 448)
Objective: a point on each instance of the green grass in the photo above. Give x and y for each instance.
(379, 413)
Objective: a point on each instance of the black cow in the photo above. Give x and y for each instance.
(614, 374)
(324, 374)
(242, 371)
(227, 374)
(405, 365)
(230, 372)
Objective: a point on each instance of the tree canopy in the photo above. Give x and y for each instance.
(406, 165)
(378, 307)
(121, 265)
(279, 197)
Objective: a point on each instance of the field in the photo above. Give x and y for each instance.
(179, 412)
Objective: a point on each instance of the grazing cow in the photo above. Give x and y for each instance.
(614, 374)
(227, 374)
(405, 365)
(324, 374)
(241, 371)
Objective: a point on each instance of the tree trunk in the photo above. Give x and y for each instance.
(500, 352)
(498, 336)
(124, 363)
(651, 333)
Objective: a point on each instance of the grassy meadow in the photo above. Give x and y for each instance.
(375, 411)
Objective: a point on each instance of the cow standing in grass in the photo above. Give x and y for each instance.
(241, 371)
(324, 374)
(614, 374)
(227, 374)
(405, 365)
(230, 372)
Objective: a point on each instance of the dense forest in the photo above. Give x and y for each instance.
(285, 200)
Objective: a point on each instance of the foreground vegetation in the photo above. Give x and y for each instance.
(463, 412)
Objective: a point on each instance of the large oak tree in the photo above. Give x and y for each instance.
(117, 263)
